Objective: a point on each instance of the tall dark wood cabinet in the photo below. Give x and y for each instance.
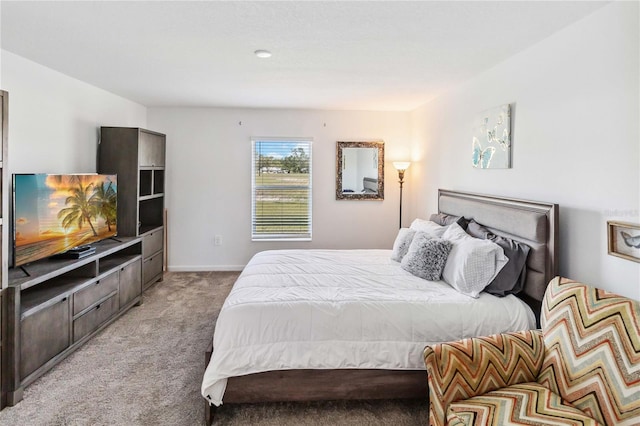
(4, 245)
(137, 156)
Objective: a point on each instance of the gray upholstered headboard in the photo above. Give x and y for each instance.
(534, 223)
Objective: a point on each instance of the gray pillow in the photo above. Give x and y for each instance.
(426, 256)
(447, 219)
(402, 243)
(511, 278)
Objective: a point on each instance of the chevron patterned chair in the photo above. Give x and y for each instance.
(582, 368)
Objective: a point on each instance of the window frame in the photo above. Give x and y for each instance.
(307, 236)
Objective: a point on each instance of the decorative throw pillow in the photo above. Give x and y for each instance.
(472, 263)
(511, 278)
(402, 243)
(447, 219)
(430, 228)
(426, 256)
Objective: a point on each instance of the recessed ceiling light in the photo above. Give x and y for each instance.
(261, 53)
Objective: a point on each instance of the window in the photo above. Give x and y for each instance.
(281, 189)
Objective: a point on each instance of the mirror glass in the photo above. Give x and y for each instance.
(360, 171)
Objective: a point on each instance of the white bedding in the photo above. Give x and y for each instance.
(329, 309)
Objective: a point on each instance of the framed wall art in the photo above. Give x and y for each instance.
(491, 143)
(624, 240)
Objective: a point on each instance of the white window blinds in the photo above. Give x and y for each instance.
(281, 189)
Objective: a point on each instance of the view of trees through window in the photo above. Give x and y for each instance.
(281, 199)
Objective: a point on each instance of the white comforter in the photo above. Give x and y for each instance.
(328, 309)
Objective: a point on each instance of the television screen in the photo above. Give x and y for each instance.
(54, 213)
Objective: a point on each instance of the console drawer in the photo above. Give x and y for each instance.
(89, 295)
(151, 267)
(152, 242)
(91, 320)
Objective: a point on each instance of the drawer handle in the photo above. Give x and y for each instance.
(122, 270)
(98, 307)
(64, 299)
(97, 282)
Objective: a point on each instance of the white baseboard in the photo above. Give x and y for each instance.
(205, 268)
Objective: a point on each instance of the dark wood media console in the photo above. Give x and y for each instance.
(62, 303)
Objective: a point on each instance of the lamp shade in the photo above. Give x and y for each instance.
(401, 165)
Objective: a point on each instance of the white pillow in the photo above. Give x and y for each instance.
(430, 228)
(402, 243)
(472, 263)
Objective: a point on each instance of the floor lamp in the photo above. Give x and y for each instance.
(401, 167)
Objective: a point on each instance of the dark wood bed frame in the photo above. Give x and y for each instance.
(370, 384)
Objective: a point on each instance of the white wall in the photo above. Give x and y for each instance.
(576, 141)
(208, 180)
(54, 119)
(1, 52)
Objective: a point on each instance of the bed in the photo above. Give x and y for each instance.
(317, 324)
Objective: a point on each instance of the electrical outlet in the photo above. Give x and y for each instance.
(217, 240)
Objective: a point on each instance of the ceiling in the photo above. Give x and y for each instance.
(360, 55)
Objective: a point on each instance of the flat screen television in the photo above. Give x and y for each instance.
(55, 213)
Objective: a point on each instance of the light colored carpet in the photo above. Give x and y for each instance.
(146, 368)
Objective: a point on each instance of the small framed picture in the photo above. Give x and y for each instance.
(624, 240)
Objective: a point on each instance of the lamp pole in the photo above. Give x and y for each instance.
(401, 167)
(401, 176)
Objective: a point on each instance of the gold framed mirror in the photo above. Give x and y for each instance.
(360, 170)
